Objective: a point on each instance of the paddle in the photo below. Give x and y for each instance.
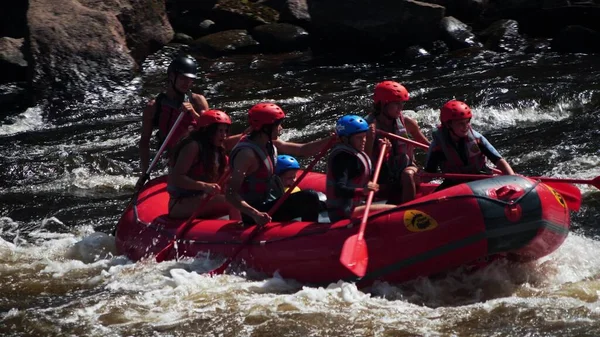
(354, 254)
(186, 226)
(142, 180)
(221, 269)
(571, 193)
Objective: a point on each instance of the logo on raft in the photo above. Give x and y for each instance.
(417, 221)
(558, 197)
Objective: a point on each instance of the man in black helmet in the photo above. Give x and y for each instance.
(162, 111)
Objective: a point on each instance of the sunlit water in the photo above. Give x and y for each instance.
(68, 169)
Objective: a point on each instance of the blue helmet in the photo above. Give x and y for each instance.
(350, 124)
(285, 162)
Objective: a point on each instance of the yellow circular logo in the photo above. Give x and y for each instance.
(558, 197)
(417, 221)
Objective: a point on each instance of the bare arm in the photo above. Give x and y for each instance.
(178, 175)
(503, 165)
(144, 145)
(243, 164)
(199, 103)
(412, 127)
(231, 141)
(301, 150)
(370, 139)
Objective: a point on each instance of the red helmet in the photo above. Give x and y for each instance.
(454, 110)
(210, 117)
(264, 114)
(390, 91)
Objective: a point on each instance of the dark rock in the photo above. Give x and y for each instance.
(226, 42)
(182, 38)
(279, 37)
(194, 25)
(190, 5)
(236, 14)
(457, 34)
(437, 47)
(503, 36)
(207, 25)
(74, 45)
(416, 53)
(545, 18)
(13, 65)
(468, 10)
(296, 12)
(464, 10)
(577, 39)
(381, 24)
(146, 26)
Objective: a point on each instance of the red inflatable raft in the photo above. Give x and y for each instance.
(510, 216)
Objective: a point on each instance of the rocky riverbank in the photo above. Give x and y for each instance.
(65, 47)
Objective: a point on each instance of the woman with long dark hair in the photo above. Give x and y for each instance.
(197, 163)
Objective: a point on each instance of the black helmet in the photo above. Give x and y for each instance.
(184, 65)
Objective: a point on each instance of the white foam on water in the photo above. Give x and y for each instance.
(30, 120)
(170, 294)
(494, 117)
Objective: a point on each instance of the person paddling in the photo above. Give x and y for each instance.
(253, 187)
(349, 171)
(397, 178)
(457, 148)
(162, 111)
(197, 163)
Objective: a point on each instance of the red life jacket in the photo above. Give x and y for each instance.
(453, 162)
(339, 207)
(401, 153)
(165, 115)
(263, 185)
(196, 172)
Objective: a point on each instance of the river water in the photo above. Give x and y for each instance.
(67, 170)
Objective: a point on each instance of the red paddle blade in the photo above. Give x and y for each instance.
(164, 253)
(354, 255)
(221, 269)
(569, 192)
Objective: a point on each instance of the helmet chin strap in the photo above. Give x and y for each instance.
(179, 93)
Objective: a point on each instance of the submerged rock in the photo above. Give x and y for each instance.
(457, 34)
(281, 37)
(226, 42)
(503, 36)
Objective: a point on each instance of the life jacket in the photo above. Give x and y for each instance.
(401, 154)
(263, 185)
(196, 172)
(339, 207)
(454, 163)
(165, 115)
